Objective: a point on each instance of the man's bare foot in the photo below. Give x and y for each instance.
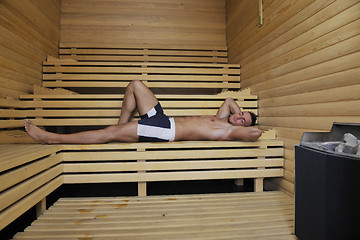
(36, 133)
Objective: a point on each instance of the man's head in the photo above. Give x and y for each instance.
(244, 119)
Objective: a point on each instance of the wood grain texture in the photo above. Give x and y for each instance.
(105, 109)
(29, 31)
(267, 215)
(303, 63)
(28, 173)
(185, 22)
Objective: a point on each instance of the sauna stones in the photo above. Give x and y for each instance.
(350, 145)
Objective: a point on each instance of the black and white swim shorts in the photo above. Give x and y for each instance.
(155, 126)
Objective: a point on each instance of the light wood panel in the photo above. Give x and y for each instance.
(28, 173)
(105, 109)
(147, 162)
(68, 73)
(268, 215)
(303, 63)
(29, 31)
(187, 22)
(13, 155)
(97, 52)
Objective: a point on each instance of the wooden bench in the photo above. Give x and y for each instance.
(97, 52)
(143, 162)
(128, 162)
(104, 109)
(71, 73)
(154, 161)
(10, 110)
(28, 173)
(266, 215)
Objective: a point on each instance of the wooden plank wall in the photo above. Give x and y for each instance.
(303, 63)
(176, 22)
(29, 30)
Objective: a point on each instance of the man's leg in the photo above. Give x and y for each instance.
(119, 133)
(139, 96)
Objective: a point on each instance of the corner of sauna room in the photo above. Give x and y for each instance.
(300, 64)
(298, 60)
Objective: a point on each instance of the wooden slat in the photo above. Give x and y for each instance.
(58, 63)
(267, 215)
(12, 195)
(171, 165)
(158, 199)
(17, 209)
(12, 155)
(14, 136)
(11, 123)
(20, 174)
(68, 73)
(95, 45)
(9, 110)
(146, 51)
(127, 77)
(141, 59)
(262, 142)
(172, 176)
(7, 113)
(104, 84)
(154, 70)
(6, 102)
(172, 154)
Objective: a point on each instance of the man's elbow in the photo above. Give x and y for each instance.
(255, 134)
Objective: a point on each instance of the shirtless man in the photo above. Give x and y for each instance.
(228, 124)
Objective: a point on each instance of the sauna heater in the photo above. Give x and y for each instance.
(327, 186)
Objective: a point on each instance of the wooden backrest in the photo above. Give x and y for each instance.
(190, 74)
(73, 73)
(10, 111)
(142, 53)
(104, 109)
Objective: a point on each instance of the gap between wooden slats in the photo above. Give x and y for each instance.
(171, 176)
(173, 165)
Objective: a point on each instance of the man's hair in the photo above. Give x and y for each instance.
(253, 118)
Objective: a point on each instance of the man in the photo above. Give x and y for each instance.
(155, 126)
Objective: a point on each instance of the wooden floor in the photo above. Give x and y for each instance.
(267, 215)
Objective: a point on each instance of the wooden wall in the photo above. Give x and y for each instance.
(29, 30)
(304, 64)
(174, 22)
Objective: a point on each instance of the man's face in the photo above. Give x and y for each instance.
(240, 119)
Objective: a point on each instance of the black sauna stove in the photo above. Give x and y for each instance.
(327, 186)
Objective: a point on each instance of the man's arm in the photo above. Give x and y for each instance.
(228, 107)
(242, 134)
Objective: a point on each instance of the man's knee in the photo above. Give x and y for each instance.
(136, 84)
(139, 85)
